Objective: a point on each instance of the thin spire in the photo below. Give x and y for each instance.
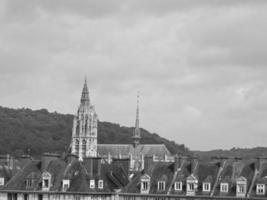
(136, 133)
(85, 99)
(137, 112)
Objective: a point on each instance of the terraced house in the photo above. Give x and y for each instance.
(130, 171)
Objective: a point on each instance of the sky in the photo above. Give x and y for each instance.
(200, 66)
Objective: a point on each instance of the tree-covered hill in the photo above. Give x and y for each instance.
(28, 131)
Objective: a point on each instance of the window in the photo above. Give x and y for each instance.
(25, 196)
(178, 186)
(241, 188)
(260, 189)
(100, 184)
(92, 184)
(2, 181)
(65, 184)
(77, 146)
(206, 187)
(161, 185)
(46, 183)
(190, 186)
(12, 196)
(84, 148)
(224, 187)
(145, 185)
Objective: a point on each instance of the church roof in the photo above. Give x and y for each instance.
(126, 149)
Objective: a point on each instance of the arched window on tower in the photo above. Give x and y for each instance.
(76, 147)
(78, 128)
(84, 148)
(86, 124)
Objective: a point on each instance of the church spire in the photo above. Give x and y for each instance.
(85, 99)
(136, 133)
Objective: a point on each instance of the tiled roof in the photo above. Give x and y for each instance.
(17, 182)
(126, 149)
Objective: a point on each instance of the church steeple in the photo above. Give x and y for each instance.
(85, 99)
(84, 131)
(136, 133)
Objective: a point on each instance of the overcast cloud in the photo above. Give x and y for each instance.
(201, 66)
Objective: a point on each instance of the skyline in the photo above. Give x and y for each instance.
(200, 67)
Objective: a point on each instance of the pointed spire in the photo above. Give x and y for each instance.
(136, 133)
(85, 99)
(137, 112)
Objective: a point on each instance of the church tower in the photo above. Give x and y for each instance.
(136, 134)
(84, 131)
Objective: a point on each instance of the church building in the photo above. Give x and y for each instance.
(84, 139)
(84, 131)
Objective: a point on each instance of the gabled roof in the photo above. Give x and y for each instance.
(17, 182)
(191, 178)
(145, 177)
(241, 178)
(128, 149)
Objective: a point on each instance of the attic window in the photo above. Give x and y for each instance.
(2, 181)
(260, 189)
(100, 184)
(161, 185)
(178, 186)
(206, 187)
(190, 186)
(241, 188)
(46, 181)
(65, 185)
(92, 184)
(224, 187)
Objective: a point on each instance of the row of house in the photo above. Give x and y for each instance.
(182, 177)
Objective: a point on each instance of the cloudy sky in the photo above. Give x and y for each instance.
(201, 66)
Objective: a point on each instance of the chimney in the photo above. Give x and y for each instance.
(46, 159)
(177, 162)
(97, 166)
(194, 164)
(148, 161)
(88, 163)
(257, 163)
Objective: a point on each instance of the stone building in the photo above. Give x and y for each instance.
(84, 132)
(84, 138)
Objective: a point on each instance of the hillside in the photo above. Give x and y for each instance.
(28, 131)
(234, 152)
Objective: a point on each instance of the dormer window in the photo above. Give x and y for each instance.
(260, 189)
(65, 185)
(178, 186)
(161, 185)
(145, 184)
(190, 187)
(2, 181)
(241, 187)
(100, 184)
(46, 181)
(92, 184)
(206, 187)
(224, 187)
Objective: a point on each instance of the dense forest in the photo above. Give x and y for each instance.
(27, 131)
